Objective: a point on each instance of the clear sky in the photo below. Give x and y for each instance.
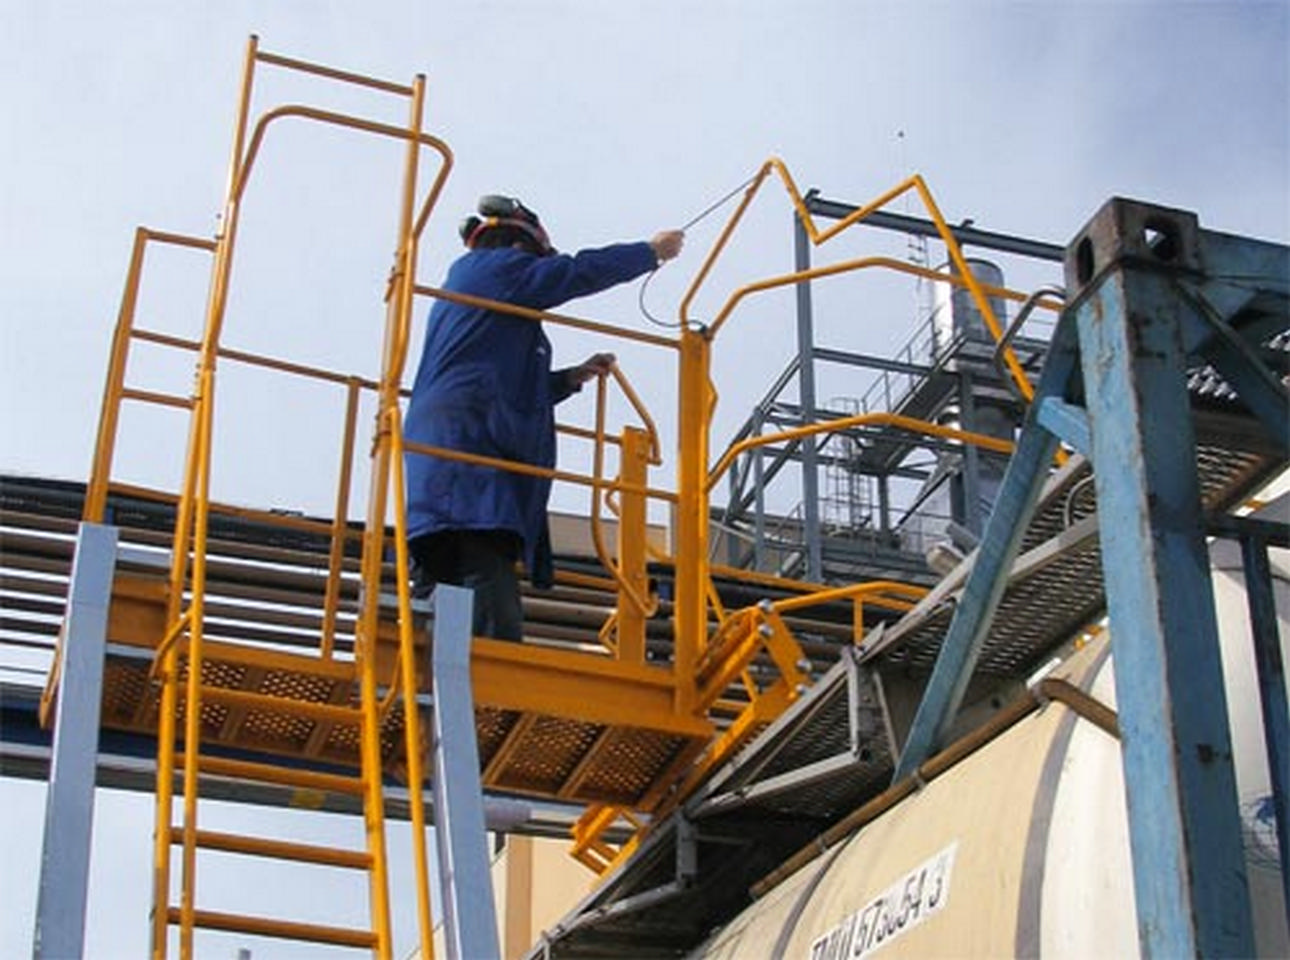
(612, 120)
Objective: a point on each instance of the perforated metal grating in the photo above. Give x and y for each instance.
(627, 764)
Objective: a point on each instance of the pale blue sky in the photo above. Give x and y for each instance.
(612, 120)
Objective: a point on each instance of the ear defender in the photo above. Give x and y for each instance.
(467, 230)
(502, 211)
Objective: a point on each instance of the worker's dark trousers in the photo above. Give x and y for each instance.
(484, 561)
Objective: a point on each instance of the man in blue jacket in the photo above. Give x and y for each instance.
(485, 386)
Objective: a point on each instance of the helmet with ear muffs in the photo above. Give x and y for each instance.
(498, 211)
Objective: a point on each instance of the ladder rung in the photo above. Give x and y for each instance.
(252, 700)
(285, 776)
(278, 849)
(282, 929)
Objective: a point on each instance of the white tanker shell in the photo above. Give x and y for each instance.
(1021, 850)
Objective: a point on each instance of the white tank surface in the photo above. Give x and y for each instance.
(954, 310)
(1021, 850)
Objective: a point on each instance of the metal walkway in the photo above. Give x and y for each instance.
(266, 587)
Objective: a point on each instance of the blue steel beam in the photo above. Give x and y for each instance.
(1000, 544)
(1184, 824)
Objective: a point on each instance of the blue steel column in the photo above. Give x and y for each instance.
(69, 802)
(469, 917)
(1184, 825)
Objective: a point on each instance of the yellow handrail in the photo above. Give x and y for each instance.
(645, 606)
(818, 237)
(862, 263)
(560, 319)
(859, 420)
(551, 473)
(114, 386)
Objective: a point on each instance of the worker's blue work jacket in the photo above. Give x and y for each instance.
(485, 385)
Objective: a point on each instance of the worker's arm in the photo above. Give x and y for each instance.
(547, 282)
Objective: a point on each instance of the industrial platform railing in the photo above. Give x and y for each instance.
(713, 649)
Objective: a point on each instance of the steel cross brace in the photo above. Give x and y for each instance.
(1150, 292)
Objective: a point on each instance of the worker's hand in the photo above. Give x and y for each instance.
(667, 244)
(596, 365)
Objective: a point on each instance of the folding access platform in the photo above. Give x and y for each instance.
(284, 653)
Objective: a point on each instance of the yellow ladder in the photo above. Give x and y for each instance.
(187, 699)
(194, 686)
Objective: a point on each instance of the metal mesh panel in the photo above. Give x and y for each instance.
(627, 764)
(551, 748)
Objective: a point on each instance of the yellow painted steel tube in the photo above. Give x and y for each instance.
(559, 319)
(192, 707)
(280, 929)
(186, 513)
(915, 183)
(640, 606)
(279, 775)
(255, 360)
(690, 619)
(160, 667)
(195, 509)
(514, 466)
(280, 849)
(861, 263)
(114, 385)
(271, 703)
(100, 471)
(336, 119)
(163, 814)
(367, 628)
(303, 66)
(861, 419)
(855, 591)
(340, 521)
(683, 310)
(651, 431)
(974, 287)
(804, 587)
(413, 744)
(160, 399)
(631, 549)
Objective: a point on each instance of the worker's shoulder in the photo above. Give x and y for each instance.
(487, 267)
